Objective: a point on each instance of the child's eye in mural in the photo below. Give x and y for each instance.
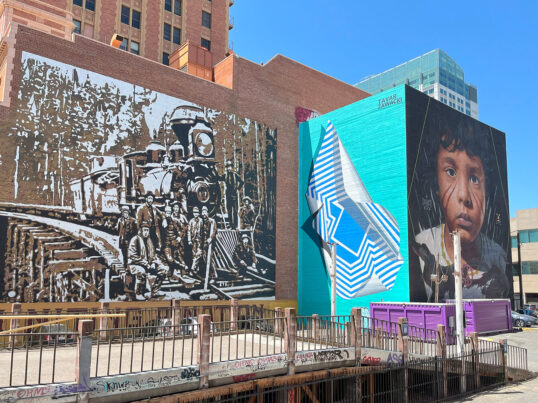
(136, 198)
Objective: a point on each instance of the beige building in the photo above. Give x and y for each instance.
(526, 223)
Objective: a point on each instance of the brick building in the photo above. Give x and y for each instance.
(278, 94)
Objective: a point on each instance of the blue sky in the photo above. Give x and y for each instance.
(495, 42)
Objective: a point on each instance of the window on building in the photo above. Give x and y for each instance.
(78, 26)
(125, 15)
(77, 3)
(528, 236)
(206, 19)
(90, 5)
(124, 44)
(177, 7)
(167, 31)
(135, 47)
(513, 240)
(168, 5)
(206, 44)
(165, 58)
(177, 35)
(529, 267)
(136, 19)
(468, 112)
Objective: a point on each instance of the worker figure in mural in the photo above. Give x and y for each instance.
(172, 235)
(194, 238)
(145, 265)
(247, 214)
(150, 214)
(233, 184)
(126, 228)
(462, 171)
(209, 232)
(244, 256)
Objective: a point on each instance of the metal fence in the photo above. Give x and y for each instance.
(377, 333)
(323, 332)
(138, 349)
(247, 338)
(38, 358)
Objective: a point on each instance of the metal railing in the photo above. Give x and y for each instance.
(47, 356)
(377, 333)
(247, 338)
(138, 349)
(516, 357)
(422, 341)
(323, 332)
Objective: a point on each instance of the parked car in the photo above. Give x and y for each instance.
(521, 320)
(51, 334)
(529, 312)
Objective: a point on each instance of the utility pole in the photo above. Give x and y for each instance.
(333, 279)
(437, 280)
(460, 341)
(521, 299)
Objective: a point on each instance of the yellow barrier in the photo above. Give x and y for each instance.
(62, 318)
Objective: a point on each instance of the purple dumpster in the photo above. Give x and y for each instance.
(419, 316)
(486, 316)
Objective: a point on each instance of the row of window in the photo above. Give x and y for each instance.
(169, 34)
(89, 4)
(526, 268)
(525, 236)
(133, 48)
(177, 6)
(130, 17)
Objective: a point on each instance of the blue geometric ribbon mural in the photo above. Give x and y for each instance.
(366, 234)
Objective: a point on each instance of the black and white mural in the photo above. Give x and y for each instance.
(110, 192)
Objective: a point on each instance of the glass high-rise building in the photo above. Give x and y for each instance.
(434, 73)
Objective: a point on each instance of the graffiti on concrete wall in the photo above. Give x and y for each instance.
(177, 199)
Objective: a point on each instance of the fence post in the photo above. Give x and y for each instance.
(502, 357)
(234, 313)
(476, 359)
(204, 340)
(441, 353)
(16, 309)
(403, 346)
(278, 320)
(378, 335)
(84, 359)
(103, 322)
(356, 334)
(176, 315)
(315, 325)
(290, 338)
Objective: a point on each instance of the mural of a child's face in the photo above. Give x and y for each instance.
(462, 191)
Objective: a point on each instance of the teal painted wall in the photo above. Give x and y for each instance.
(375, 139)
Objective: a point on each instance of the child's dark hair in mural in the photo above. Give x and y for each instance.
(459, 190)
(143, 219)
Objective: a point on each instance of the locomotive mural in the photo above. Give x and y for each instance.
(114, 192)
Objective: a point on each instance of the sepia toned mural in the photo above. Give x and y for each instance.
(110, 191)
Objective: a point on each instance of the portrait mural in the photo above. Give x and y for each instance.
(110, 191)
(456, 181)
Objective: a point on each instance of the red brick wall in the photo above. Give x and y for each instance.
(268, 94)
(107, 23)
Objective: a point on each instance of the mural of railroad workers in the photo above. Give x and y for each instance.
(247, 214)
(456, 185)
(244, 256)
(117, 192)
(233, 183)
(126, 228)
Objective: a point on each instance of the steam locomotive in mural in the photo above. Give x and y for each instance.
(185, 172)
